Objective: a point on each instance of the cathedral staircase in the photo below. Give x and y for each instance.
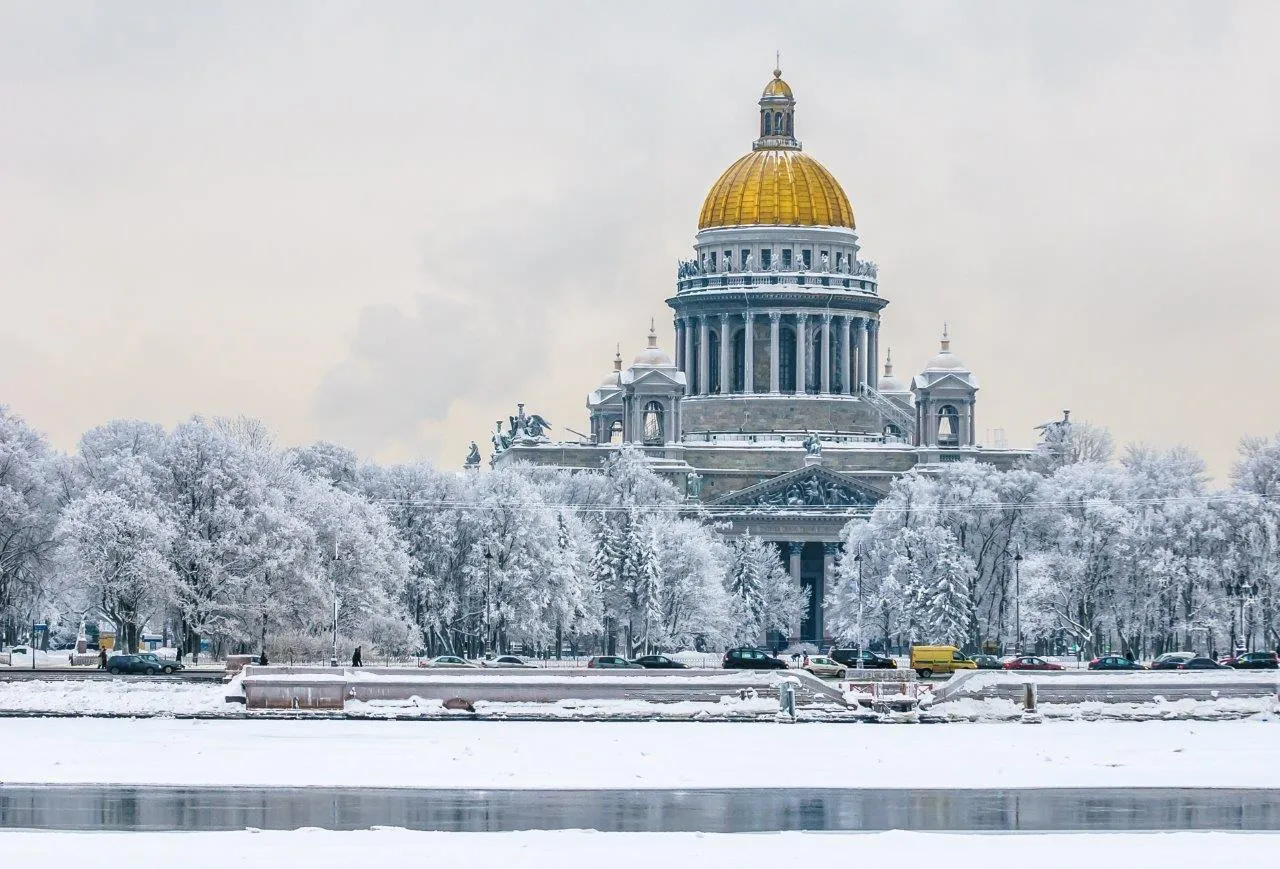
(891, 411)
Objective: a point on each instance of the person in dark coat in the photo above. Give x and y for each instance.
(262, 659)
(355, 658)
(102, 659)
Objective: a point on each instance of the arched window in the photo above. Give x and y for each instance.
(948, 426)
(767, 125)
(652, 423)
(777, 121)
(713, 363)
(787, 364)
(788, 123)
(695, 369)
(615, 432)
(739, 379)
(813, 359)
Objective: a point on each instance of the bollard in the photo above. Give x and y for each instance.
(1030, 715)
(787, 702)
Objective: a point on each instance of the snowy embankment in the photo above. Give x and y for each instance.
(460, 754)
(324, 849)
(121, 696)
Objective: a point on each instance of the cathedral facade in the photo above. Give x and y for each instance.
(771, 413)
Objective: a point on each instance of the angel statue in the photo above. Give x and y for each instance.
(812, 445)
(473, 457)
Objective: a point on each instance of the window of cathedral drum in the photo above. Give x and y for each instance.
(652, 423)
(713, 363)
(787, 364)
(766, 257)
(739, 379)
(807, 256)
(713, 261)
(786, 258)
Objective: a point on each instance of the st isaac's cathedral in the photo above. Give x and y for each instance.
(773, 414)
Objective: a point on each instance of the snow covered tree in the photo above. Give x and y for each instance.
(763, 596)
(28, 514)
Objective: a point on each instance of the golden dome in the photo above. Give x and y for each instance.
(777, 87)
(776, 187)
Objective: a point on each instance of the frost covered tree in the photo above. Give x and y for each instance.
(695, 604)
(762, 595)
(28, 514)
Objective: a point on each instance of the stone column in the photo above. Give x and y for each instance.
(862, 352)
(704, 356)
(830, 552)
(873, 354)
(802, 350)
(775, 318)
(825, 365)
(749, 352)
(846, 356)
(794, 564)
(973, 422)
(688, 353)
(678, 325)
(726, 345)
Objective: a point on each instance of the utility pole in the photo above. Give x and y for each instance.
(1017, 600)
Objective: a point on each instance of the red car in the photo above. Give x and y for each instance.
(1031, 662)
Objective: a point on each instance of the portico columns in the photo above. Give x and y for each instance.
(873, 353)
(862, 353)
(704, 356)
(846, 357)
(830, 551)
(775, 318)
(825, 364)
(749, 353)
(802, 347)
(726, 382)
(793, 553)
(687, 367)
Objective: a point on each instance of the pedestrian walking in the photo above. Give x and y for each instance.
(102, 659)
(355, 658)
(262, 659)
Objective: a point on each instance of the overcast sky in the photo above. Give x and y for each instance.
(386, 223)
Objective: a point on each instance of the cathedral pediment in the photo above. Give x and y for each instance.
(810, 488)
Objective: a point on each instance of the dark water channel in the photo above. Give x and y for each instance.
(75, 807)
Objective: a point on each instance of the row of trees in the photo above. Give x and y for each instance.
(1136, 555)
(208, 532)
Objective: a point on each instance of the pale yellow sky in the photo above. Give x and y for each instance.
(385, 224)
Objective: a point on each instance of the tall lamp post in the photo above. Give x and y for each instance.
(333, 660)
(488, 583)
(1017, 600)
(1240, 590)
(862, 646)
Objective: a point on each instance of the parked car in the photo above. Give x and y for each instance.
(1255, 661)
(1032, 663)
(505, 662)
(1171, 660)
(821, 665)
(751, 659)
(1202, 664)
(147, 664)
(870, 659)
(928, 660)
(986, 662)
(1115, 664)
(445, 661)
(611, 662)
(659, 662)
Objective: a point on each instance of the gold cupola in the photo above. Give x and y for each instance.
(777, 184)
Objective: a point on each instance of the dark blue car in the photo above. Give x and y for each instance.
(145, 664)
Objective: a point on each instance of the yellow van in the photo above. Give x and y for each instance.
(928, 660)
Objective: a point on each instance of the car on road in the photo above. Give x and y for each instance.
(870, 659)
(611, 662)
(445, 661)
(821, 665)
(1255, 661)
(1171, 660)
(659, 662)
(987, 662)
(748, 658)
(1115, 664)
(928, 660)
(1202, 664)
(145, 664)
(507, 662)
(1032, 663)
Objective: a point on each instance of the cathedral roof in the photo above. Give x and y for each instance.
(777, 184)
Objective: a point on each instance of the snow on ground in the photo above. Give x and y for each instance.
(1003, 709)
(120, 696)
(498, 754)
(726, 707)
(322, 849)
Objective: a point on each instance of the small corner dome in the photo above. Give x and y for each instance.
(610, 381)
(652, 355)
(891, 384)
(945, 360)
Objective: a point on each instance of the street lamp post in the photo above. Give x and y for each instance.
(1240, 590)
(861, 639)
(333, 660)
(1017, 600)
(488, 583)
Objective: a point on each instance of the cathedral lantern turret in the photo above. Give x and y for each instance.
(777, 115)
